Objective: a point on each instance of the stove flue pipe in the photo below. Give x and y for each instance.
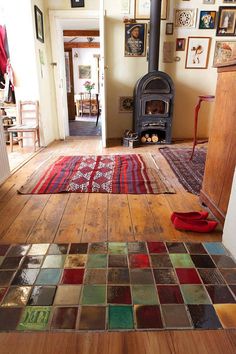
(154, 36)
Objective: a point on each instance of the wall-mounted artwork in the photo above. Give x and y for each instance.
(142, 9)
(210, 2)
(180, 44)
(229, 1)
(207, 19)
(135, 39)
(126, 104)
(185, 18)
(39, 24)
(197, 52)
(169, 28)
(225, 53)
(125, 6)
(227, 21)
(84, 72)
(168, 52)
(77, 3)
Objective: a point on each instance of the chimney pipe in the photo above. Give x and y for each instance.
(154, 36)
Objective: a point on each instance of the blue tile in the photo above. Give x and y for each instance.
(215, 248)
(48, 277)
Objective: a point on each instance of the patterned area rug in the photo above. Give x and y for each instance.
(189, 173)
(117, 286)
(119, 174)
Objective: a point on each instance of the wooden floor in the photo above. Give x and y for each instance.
(101, 217)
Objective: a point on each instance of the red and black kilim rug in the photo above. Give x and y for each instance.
(125, 174)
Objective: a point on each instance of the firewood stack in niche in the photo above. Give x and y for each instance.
(149, 138)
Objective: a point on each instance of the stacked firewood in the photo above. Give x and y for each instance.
(149, 138)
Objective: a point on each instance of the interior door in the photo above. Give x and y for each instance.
(70, 84)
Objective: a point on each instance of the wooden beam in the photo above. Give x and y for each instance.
(81, 33)
(81, 45)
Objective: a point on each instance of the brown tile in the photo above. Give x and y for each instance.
(161, 261)
(176, 247)
(42, 296)
(195, 248)
(141, 276)
(16, 296)
(220, 294)
(2, 293)
(175, 316)
(81, 248)
(148, 316)
(117, 261)
(226, 314)
(137, 247)
(119, 295)
(9, 318)
(64, 318)
(6, 277)
(211, 276)
(67, 295)
(92, 318)
(229, 275)
(98, 248)
(233, 289)
(75, 261)
(95, 276)
(11, 262)
(165, 276)
(4, 249)
(223, 261)
(118, 276)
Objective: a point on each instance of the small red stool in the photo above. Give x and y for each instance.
(208, 98)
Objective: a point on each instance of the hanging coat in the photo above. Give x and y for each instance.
(3, 54)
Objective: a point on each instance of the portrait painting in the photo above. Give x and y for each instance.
(135, 39)
(207, 19)
(227, 21)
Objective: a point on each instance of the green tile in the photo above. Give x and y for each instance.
(93, 295)
(54, 261)
(97, 261)
(144, 295)
(121, 317)
(48, 277)
(117, 248)
(195, 294)
(34, 318)
(181, 261)
(1, 259)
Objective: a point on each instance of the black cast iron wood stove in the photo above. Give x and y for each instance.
(154, 92)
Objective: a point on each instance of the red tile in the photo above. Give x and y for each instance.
(188, 276)
(139, 261)
(157, 247)
(72, 276)
(169, 294)
(148, 316)
(118, 295)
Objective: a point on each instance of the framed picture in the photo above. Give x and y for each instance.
(180, 44)
(210, 2)
(169, 28)
(142, 9)
(77, 3)
(227, 21)
(84, 72)
(229, 1)
(185, 18)
(197, 52)
(126, 104)
(39, 24)
(207, 19)
(225, 54)
(135, 39)
(168, 52)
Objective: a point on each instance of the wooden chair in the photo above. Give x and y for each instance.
(27, 122)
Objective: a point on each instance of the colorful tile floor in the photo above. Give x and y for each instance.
(116, 286)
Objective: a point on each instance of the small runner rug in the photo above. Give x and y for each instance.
(189, 173)
(119, 174)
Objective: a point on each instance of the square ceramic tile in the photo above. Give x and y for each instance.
(117, 248)
(32, 262)
(1, 259)
(215, 248)
(202, 261)
(223, 261)
(165, 276)
(233, 289)
(204, 317)
(81, 248)
(161, 261)
(11, 262)
(156, 247)
(6, 277)
(211, 276)
(188, 276)
(16, 296)
(34, 318)
(120, 317)
(58, 248)
(64, 318)
(42, 296)
(176, 316)
(95, 276)
(67, 295)
(9, 318)
(176, 247)
(18, 250)
(54, 261)
(229, 275)
(144, 295)
(137, 247)
(195, 294)
(25, 277)
(4, 249)
(220, 294)
(139, 261)
(169, 294)
(118, 276)
(117, 261)
(97, 261)
(48, 276)
(72, 276)
(226, 314)
(39, 249)
(195, 248)
(98, 248)
(92, 318)
(75, 261)
(181, 260)
(93, 295)
(118, 295)
(2, 293)
(141, 276)
(148, 316)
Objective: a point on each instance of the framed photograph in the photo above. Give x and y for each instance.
(135, 39)
(229, 1)
(84, 72)
(169, 28)
(197, 52)
(39, 24)
(225, 54)
(210, 2)
(185, 18)
(180, 44)
(126, 104)
(227, 21)
(77, 3)
(207, 19)
(142, 9)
